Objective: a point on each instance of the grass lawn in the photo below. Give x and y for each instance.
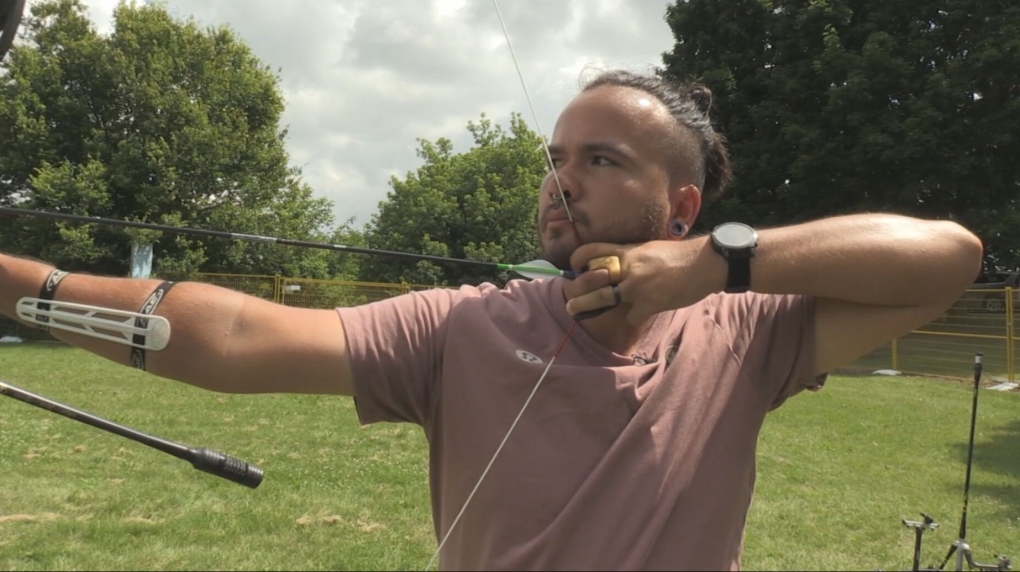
(838, 470)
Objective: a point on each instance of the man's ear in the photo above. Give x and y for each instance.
(686, 204)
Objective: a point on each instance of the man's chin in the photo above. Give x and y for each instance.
(557, 246)
(558, 257)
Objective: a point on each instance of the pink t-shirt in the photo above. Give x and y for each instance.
(643, 461)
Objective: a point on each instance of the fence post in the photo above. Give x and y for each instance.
(895, 357)
(1010, 338)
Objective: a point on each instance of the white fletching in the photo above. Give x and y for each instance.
(116, 326)
(537, 270)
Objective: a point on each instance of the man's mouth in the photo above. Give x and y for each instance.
(557, 223)
(556, 216)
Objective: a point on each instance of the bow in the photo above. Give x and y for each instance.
(11, 12)
(203, 459)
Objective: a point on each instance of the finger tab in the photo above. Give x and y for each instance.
(610, 263)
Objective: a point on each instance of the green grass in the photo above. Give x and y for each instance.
(838, 470)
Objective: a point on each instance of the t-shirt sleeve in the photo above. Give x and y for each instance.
(774, 336)
(395, 349)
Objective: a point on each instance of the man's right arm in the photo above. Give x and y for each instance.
(220, 340)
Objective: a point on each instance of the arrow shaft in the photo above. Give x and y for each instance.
(244, 237)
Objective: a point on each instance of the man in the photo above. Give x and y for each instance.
(637, 449)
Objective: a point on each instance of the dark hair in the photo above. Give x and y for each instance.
(690, 105)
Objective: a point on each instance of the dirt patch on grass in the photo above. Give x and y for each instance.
(44, 517)
(141, 520)
(331, 519)
(369, 527)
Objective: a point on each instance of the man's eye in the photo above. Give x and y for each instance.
(601, 161)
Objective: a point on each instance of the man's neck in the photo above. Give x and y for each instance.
(614, 332)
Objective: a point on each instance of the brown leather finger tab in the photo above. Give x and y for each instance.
(610, 263)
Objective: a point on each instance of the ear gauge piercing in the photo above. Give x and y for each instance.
(677, 228)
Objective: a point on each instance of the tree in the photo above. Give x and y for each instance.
(837, 106)
(160, 122)
(480, 205)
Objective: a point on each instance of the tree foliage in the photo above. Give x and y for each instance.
(160, 121)
(836, 106)
(479, 205)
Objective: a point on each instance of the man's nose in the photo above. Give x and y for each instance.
(563, 185)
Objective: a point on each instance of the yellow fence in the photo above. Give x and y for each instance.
(980, 321)
(307, 292)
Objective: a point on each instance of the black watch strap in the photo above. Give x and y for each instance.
(739, 278)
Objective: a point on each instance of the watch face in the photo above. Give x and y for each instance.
(734, 235)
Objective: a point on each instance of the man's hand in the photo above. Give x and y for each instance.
(655, 277)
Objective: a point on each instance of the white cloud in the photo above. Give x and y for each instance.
(362, 79)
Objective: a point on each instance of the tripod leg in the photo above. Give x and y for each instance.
(1002, 564)
(917, 549)
(952, 550)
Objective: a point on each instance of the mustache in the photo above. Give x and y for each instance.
(555, 211)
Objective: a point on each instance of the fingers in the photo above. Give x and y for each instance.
(608, 296)
(597, 290)
(599, 301)
(586, 282)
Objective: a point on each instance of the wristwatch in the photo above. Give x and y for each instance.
(736, 242)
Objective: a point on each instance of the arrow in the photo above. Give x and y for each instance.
(534, 270)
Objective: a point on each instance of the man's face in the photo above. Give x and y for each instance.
(610, 148)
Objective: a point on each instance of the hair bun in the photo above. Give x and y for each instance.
(701, 96)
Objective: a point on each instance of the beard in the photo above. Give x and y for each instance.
(649, 225)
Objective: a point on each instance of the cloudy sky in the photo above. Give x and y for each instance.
(363, 79)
